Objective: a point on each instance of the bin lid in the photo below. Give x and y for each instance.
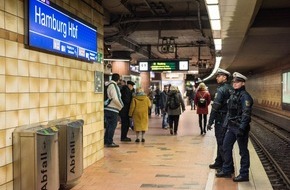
(46, 131)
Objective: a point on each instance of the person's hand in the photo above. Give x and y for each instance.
(241, 133)
(209, 127)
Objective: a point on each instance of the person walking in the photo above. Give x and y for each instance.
(139, 112)
(238, 126)
(218, 114)
(174, 107)
(202, 100)
(163, 99)
(112, 110)
(126, 95)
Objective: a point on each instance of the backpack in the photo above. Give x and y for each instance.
(173, 101)
(201, 102)
(107, 100)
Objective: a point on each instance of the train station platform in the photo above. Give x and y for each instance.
(165, 161)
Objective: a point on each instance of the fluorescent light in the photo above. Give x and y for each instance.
(213, 11)
(215, 24)
(210, 2)
(218, 44)
(116, 59)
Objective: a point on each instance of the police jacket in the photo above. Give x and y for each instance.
(219, 106)
(240, 109)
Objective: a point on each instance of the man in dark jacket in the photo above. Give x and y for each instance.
(163, 100)
(218, 114)
(126, 95)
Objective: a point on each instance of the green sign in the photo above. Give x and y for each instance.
(163, 65)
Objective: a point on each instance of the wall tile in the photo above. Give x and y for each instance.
(20, 26)
(66, 86)
(1, 18)
(20, 9)
(43, 82)
(34, 100)
(52, 85)
(3, 120)
(34, 115)
(66, 73)
(59, 99)
(11, 66)
(23, 53)
(43, 99)
(10, 22)
(33, 69)
(2, 102)
(24, 101)
(2, 41)
(2, 138)
(52, 71)
(59, 72)
(9, 170)
(2, 156)
(33, 56)
(11, 119)
(43, 70)
(23, 84)
(3, 175)
(9, 153)
(11, 6)
(9, 136)
(34, 84)
(12, 102)
(52, 99)
(11, 84)
(23, 68)
(59, 85)
(11, 49)
(43, 114)
(23, 117)
(51, 113)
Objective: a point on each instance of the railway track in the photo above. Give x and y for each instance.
(273, 147)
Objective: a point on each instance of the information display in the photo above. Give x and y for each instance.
(51, 28)
(163, 65)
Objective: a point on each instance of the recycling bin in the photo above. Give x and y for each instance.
(35, 158)
(70, 149)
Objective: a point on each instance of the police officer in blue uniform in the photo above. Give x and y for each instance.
(238, 124)
(218, 113)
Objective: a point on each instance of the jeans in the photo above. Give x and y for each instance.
(229, 141)
(173, 122)
(164, 119)
(125, 124)
(111, 119)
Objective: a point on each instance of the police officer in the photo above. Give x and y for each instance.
(218, 113)
(238, 123)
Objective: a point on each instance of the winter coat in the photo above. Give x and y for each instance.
(202, 94)
(178, 110)
(126, 98)
(139, 111)
(114, 93)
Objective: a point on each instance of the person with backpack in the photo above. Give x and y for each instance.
(202, 100)
(174, 107)
(113, 104)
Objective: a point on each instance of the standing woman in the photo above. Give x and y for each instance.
(202, 100)
(139, 112)
(174, 107)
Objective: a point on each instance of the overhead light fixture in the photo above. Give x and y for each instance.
(210, 2)
(215, 24)
(213, 11)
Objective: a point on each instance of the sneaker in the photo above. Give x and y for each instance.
(137, 140)
(143, 140)
(113, 145)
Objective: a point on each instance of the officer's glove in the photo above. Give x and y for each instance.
(241, 133)
(209, 127)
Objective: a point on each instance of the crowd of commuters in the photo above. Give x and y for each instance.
(230, 115)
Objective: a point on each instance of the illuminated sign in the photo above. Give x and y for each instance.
(51, 28)
(163, 65)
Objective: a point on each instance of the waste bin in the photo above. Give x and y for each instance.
(35, 158)
(70, 149)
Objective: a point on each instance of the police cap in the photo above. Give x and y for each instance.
(223, 72)
(130, 82)
(239, 77)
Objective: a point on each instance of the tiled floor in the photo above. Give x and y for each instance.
(162, 162)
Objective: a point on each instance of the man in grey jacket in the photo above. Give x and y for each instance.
(112, 110)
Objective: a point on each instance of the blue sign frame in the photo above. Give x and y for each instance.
(53, 29)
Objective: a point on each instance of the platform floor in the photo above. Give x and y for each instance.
(167, 162)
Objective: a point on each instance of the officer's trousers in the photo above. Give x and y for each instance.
(229, 141)
(219, 134)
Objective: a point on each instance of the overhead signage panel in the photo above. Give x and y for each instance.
(163, 65)
(52, 29)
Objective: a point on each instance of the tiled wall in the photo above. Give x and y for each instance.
(39, 87)
(265, 89)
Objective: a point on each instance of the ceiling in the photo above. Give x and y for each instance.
(255, 33)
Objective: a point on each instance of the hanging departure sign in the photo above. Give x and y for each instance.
(163, 65)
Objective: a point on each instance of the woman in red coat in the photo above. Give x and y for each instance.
(202, 100)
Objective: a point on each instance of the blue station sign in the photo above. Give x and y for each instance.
(52, 29)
